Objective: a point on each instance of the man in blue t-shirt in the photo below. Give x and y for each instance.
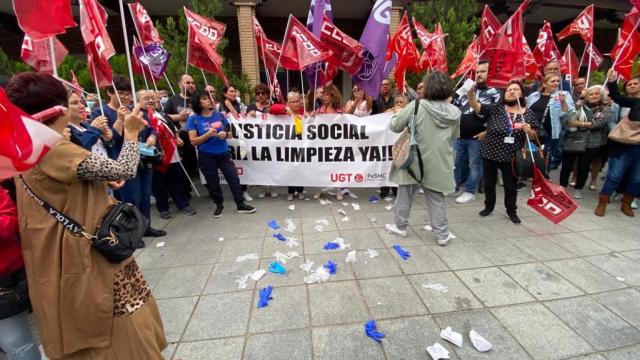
(209, 131)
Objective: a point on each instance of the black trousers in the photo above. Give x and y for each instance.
(295, 189)
(188, 154)
(490, 175)
(209, 165)
(169, 183)
(384, 191)
(583, 159)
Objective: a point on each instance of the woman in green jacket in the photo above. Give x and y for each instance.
(437, 127)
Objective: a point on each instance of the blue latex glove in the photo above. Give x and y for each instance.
(273, 224)
(279, 237)
(373, 199)
(331, 246)
(331, 267)
(265, 296)
(404, 254)
(372, 332)
(277, 268)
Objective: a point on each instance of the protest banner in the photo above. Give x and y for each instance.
(333, 151)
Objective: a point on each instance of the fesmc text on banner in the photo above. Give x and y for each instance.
(333, 150)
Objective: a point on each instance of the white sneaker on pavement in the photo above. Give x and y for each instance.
(261, 195)
(447, 240)
(274, 194)
(290, 197)
(247, 197)
(300, 196)
(634, 204)
(393, 229)
(577, 194)
(421, 191)
(465, 198)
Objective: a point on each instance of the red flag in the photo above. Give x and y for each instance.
(434, 54)
(347, 52)
(582, 25)
(23, 140)
(569, 63)
(402, 44)
(530, 66)
(37, 53)
(77, 89)
(269, 51)
(628, 45)
(469, 61)
(41, 19)
(144, 26)
(596, 57)
(546, 49)
(489, 26)
(300, 44)
(550, 200)
(166, 139)
(506, 53)
(97, 43)
(204, 36)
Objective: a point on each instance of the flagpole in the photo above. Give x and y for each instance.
(128, 52)
(186, 63)
(286, 31)
(115, 91)
(304, 107)
(582, 57)
(65, 82)
(207, 85)
(169, 83)
(144, 76)
(570, 67)
(95, 80)
(589, 65)
(145, 53)
(52, 50)
(626, 42)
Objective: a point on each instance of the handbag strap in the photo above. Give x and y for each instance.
(412, 122)
(413, 142)
(75, 228)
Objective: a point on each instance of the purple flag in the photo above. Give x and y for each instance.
(155, 57)
(314, 24)
(374, 38)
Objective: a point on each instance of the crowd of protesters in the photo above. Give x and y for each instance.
(467, 140)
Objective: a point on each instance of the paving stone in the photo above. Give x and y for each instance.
(578, 244)
(613, 240)
(315, 241)
(233, 249)
(422, 260)
(624, 354)
(541, 226)
(502, 252)
(633, 255)
(584, 222)
(346, 342)
(623, 303)
(173, 283)
(344, 270)
(493, 287)
(222, 349)
(459, 256)
(335, 303)
(309, 224)
(482, 322)
(541, 282)
(391, 297)
(357, 220)
(541, 249)
(602, 328)
(362, 239)
(153, 276)
(199, 254)
(292, 344)
(540, 332)
(219, 315)
(382, 265)
(157, 258)
(589, 357)
(175, 315)
(271, 245)
(414, 237)
(287, 310)
(379, 218)
(294, 275)
(167, 353)
(408, 338)
(224, 275)
(585, 276)
(457, 297)
(618, 266)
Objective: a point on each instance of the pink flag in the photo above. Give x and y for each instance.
(37, 53)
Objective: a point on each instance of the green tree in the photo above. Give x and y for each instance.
(458, 19)
(174, 32)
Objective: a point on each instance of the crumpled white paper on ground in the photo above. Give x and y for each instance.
(247, 257)
(481, 344)
(307, 266)
(371, 253)
(436, 286)
(437, 351)
(351, 257)
(258, 274)
(320, 275)
(451, 336)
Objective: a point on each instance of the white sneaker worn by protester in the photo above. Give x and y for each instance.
(446, 241)
(465, 198)
(577, 194)
(393, 229)
(247, 197)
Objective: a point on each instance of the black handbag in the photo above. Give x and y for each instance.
(14, 294)
(119, 234)
(522, 163)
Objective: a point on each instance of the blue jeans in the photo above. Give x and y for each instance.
(624, 168)
(16, 338)
(468, 155)
(137, 191)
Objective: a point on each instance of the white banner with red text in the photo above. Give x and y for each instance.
(332, 150)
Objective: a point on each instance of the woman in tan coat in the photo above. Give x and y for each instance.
(87, 308)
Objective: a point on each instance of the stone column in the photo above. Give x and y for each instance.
(396, 14)
(248, 48)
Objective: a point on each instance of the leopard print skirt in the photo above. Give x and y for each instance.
(130, 290)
